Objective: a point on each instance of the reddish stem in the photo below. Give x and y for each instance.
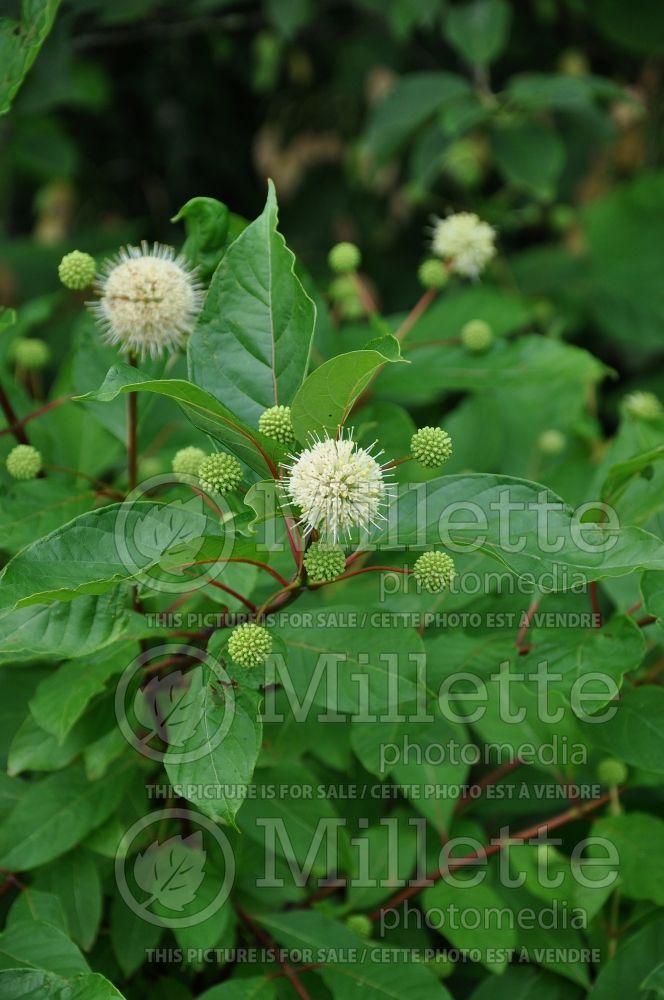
(523, 631)
(267, 942)
(17, 424)
(418, 309)
(488, 779)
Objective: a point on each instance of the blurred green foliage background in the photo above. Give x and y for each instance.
(543, 116)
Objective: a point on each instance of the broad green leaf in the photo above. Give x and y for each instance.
(636, 838)
(31, 509)
(38, 945)
(635, 733)
(391, 854)
(478, 899)
(55, 814)
(479, 29)
(339, 659)
(35, 904)
(242, 988)
(206, 221)
(637, 956)
(25, 984)
(225, 767)
(529, 155)
(206, 413)
(131, 936)
(20, 43)
(652, 589)
(525, 983)
(561, 91)
(361, 973)
(323, 404)
(75, 629)
(620, 476)
(97, 550)
(412, 100)
(62, 697)
(74, 879)
(429, 514)
(252, 340)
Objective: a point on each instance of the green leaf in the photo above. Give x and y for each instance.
(206, 221)
(652, 589)
(361, 973)
(34, 904)
(479, 29)
(635, 733)
(410, 102)
(636, 838)
(638, 955)
(61, 698)
(524, 983)
(55, 814)
(78, 628)
(529, 155)
(637, 27)
(620, 476)
(39, 945)
(131, 936)
(323, 404)
(31, 509)
(227, 766)
(252, 341)
(206, 413)
(242, 988)
(480, 899)
(85, 557)
(422, 514)
(74, 879)
(24, 984)
(20, 42)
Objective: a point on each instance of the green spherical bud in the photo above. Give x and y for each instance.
(249, 645)
(324, 562)
(77, 270)
(562, 218)
(644, 405)
(552, 442)
(359, 924)
(342, 287)
(477, 336)
(431, 447)
(434, 571)
(220, 473)
(462, 161)
(23, 462)
(352, 308)
(344, 257)
(30, 353)
(612, 772)
(276, 423)
(432, 273)
(187, 461)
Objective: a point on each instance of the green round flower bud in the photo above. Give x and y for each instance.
(249, 645)
(477, 336)
(431, 447)
(342, 287)
(552, 442)
(612, 772)
(434, 571)
(442, 966)
(562, 218)
(30, 353)
(77, 270)
(432, 273)
(644, 405)
(324, 562)
(187, 461)
(351, 309)
(220, 473)
(23, 462)
(344, 257)
(359, 924)
(463, 162)
(276, 423)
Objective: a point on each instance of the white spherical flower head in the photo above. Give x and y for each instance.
(465, 242)
(149, 299)
(338, 486)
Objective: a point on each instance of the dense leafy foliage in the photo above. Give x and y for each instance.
(248, 752)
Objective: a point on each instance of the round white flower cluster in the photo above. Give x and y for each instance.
(465, 242)
(149, 299)
(338, 486)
